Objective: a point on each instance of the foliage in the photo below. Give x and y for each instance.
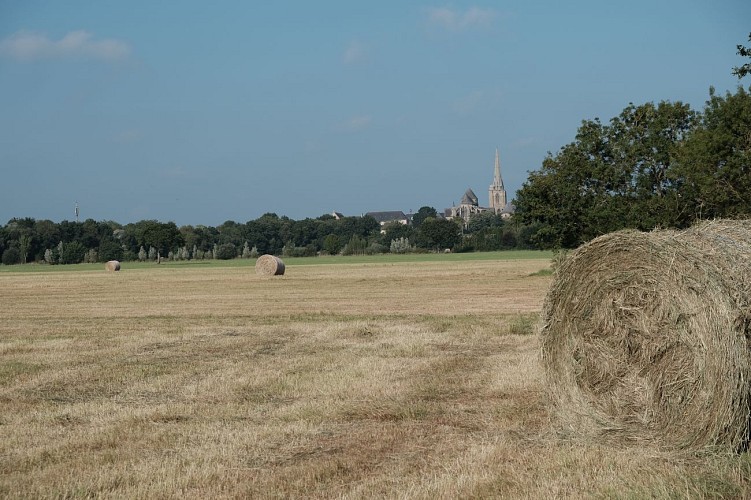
(225, 251)
(745, 69)
(376, 248)
(396, 230)
(715, 159)
(90, 256)
(11, 256)
(484, 220)
(611, 177)
(422, 214)
(355, 246)
(73, 253)
(110, 249)
(161, 236)
(332, 244)
(437, 234)
(400, 245)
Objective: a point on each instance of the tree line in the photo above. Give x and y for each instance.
(25, 240)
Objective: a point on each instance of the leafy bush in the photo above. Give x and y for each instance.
(11, 256)
(400, 245)
(376, 248)
(356, 246)
(73, 253)
(226, 251)
(110, 250)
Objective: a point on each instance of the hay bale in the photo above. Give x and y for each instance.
(269, 265)
(112, 265)
(645, 338)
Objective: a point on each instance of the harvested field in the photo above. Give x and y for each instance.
(393, 380)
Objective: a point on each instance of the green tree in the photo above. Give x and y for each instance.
(24, 245)
(73, 253)
(611, 177)
(162, 236)
(422, 214)
(484, 220)
(714, 161)
(110, 249)
(395, 231)
(744, 69)
(437, 234)
(332, 244)
(355, 246)
(11, 256)
(226, 251)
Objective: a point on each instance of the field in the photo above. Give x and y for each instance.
(345, 378)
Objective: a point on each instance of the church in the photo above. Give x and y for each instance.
(497, 202)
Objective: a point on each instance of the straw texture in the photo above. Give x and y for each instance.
(645, 338)
(269, 265)
(112, 265)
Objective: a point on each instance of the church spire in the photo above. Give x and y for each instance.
(497, 181)
(497, 193)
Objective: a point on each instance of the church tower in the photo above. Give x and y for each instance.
(497, 193)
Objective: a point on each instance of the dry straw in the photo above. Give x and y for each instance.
(112, 265)
(269, 265)
(645, 338)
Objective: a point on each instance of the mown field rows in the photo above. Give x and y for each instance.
(365, 380)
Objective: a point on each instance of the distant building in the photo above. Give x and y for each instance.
(337, 215)
(497, 202)
(384, 218)
(496, 192)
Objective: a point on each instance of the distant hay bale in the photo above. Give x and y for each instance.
(645, 338)
(269, 265)
(112, 265)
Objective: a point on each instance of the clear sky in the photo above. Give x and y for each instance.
(200, 112)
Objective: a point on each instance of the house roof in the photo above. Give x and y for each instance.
(388, 216)
(470, 198)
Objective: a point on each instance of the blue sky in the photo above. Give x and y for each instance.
(200, 112)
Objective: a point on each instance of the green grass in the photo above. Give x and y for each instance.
(297, 261)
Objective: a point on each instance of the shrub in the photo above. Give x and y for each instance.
(73, 253)
(110, 250)
(332, 244)
(400, 245)
(375, 248)
(90, 256)
(356, 246)
(11, 256)
(226, 251)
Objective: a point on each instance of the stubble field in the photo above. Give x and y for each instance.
(344, 380)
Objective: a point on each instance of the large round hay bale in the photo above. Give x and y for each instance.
(112, 265)
(645, 338)
(269, 265)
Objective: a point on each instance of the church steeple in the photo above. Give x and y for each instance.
(497, 181)
(497, 193)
